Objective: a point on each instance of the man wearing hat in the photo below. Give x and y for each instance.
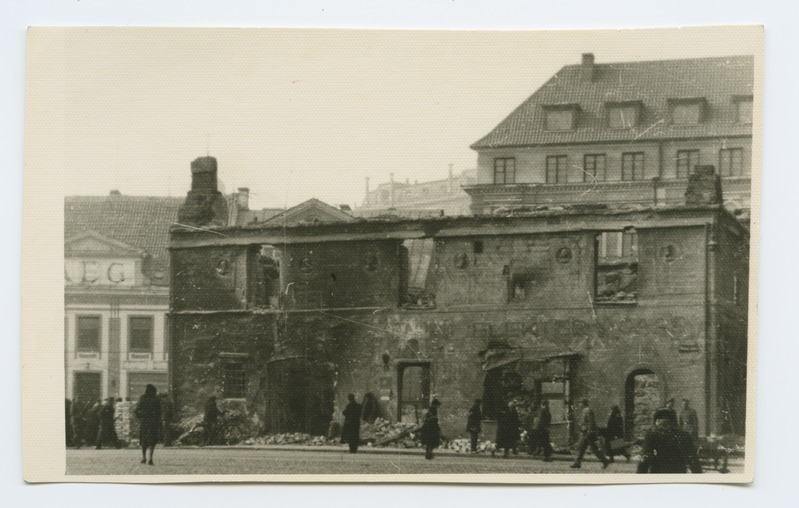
(667, 449)
(588, 437)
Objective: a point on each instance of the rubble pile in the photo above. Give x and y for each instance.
(389, 433)
(463, 445)
(290, 438)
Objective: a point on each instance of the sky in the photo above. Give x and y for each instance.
(295, 114)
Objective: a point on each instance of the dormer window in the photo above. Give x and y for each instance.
(561, 117)
(687, 111)
(623, 115)
(743, 108)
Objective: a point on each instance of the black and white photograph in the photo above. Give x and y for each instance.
(397, 255)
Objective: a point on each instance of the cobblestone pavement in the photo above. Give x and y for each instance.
(182, 461)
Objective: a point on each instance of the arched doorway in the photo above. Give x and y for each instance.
(642, 395)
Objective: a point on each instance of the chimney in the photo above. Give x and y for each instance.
(114, 193)
(449, 186)
(204, 204)
(704, 187)
(243, 198)
(203, 174)
(587, 68)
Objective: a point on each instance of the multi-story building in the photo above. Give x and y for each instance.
(621, 133)
(419, 199)
(116, 285)
(528, 307)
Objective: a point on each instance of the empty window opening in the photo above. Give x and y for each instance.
(269, 276)
(418, 256)
(617, 266)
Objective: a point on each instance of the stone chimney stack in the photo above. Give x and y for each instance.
(449, 186)
(704, 187)
(587, 68)
(243, 198)
(204, 204)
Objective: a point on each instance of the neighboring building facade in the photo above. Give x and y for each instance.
(116, 294)
(529, 307)
(416, 200)
(622, 133)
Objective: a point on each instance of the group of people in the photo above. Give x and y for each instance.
(91, 423)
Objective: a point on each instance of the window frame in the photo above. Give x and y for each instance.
(699, 102)
(427, 382)
(137, 317)
(730, 162)
(596, 157)
(683, 167)
(239, 390)
(571, 110)
(634, 160)
(564, 170)
(78, 345)
(612, 107)
(505, 179)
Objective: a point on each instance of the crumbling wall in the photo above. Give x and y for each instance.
(211, 278)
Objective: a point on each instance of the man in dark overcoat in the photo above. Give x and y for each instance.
(108, 431)
(351, 430)
(667, 449)
(430, 432)
(508, 429)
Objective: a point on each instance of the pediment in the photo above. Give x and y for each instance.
(91, 243)
(311, 212)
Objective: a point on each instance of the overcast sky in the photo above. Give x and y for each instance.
(295, 114)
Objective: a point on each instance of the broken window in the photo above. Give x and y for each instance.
(617, 266)
(414, 390)
(234, 376)
(417, 259)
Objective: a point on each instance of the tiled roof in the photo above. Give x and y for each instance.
(717, 80)
(142, 222)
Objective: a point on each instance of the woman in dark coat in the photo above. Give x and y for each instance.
(430, 433)
(148, 411)
(351, 430)
(508, 429)
(615, 430)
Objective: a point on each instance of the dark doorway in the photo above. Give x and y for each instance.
(642, 394)
(87, 386)
(414, 391)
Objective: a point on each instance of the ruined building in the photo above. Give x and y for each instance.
(622, 306)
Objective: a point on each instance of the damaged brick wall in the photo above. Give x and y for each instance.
(211, 278)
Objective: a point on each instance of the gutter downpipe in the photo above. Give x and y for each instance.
(711, 333)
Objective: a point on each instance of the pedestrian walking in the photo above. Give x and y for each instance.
(351, 430)
(148, 411)
(108, 431)
(689, 421)
(614, 436)
(211, 416)
(473, 423)
(667, 449)
(430, 432)
(541, 432)
(588, 436)
(508, 430)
